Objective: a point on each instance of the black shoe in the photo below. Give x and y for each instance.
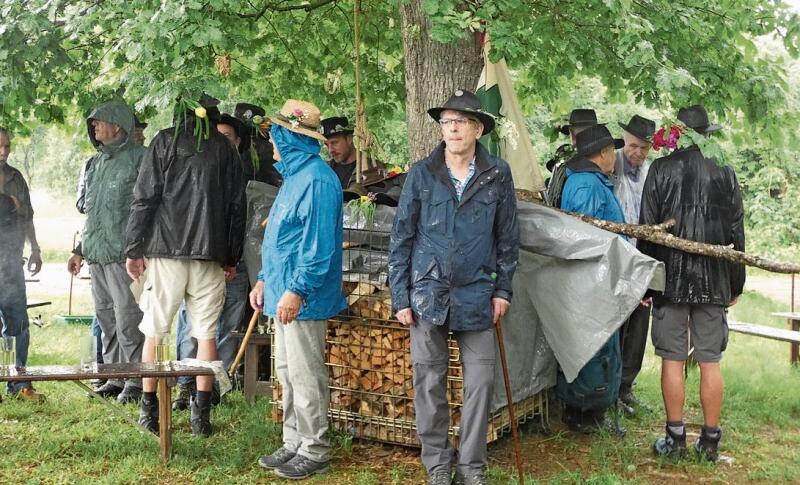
(671, 445)
(148, 415)
(97, 383)
(201, 419)
(130, 394)
(276, 459)
(108, 390)
(625, 409)
(707, 448)
(185, 393)
(300, 467)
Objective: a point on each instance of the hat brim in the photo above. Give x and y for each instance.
(486, 119)
(637, 134)
(328, 136)
(709, 129)
(601, 144)
(299, 129)
(564, 129)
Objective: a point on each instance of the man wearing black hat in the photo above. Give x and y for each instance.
(589, 191)
(258, 156)
(236, 290)
(630, 173)
(705, 200)
(579, 120)
(186, 219)
(339, 141)
(452, 254)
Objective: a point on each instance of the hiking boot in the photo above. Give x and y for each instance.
(130, 394)
(707, 447)
(185, 393)
(216, 398)
(108, 390)
(201, 418)
(276, 459)
(671, 445)
(439, 477)
(473, 479)
(29, 394)
(300, 467)
(148, 414)
(630, 401)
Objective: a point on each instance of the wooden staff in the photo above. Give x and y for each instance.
(71, 278)
(514, 436)
(243, 345)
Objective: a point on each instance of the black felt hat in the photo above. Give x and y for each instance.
(241, 131)
(579, 117)
(336, 125)
(594, 139)
(466, 102)
(139, 123)
(696, 118)
(246, 111)
(640, 127)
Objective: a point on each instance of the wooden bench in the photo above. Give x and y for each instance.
(165, 373)
(791, 336)
(252, 385)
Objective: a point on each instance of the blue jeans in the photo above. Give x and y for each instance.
(232, 313)
(98, 335)
(14, 314)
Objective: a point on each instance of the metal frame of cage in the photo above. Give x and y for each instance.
(369, 359)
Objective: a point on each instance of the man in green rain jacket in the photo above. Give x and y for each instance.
(110, 179)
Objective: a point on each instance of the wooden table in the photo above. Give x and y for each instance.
(252, 386)
(164, 372)
(794, 324)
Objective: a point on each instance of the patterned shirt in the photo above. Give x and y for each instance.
(460, 185)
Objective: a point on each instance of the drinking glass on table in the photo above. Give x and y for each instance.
(8, 354)
(162, 350)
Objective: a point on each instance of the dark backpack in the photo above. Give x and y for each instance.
(597, 384)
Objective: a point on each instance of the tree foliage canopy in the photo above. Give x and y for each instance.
(65, 55)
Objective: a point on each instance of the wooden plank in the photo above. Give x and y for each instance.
(764, 331)
(165, 418)
(104, 371)
(787, 315)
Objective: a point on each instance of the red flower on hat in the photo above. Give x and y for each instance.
(670, 141)
(298, 112)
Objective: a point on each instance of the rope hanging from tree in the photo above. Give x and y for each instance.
(367, 145)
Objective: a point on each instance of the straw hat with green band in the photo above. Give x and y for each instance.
(300, 117)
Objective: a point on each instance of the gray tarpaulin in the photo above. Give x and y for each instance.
(574, 286)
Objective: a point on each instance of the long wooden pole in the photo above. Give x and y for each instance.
(514, 436)
(243, 345)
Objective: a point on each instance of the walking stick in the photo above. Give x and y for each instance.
(243, 345)
(71, 278)
(514, 436)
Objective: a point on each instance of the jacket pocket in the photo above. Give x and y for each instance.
(484, 206)
(438, 213)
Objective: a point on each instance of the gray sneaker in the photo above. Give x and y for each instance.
(475, 479)
(439, 477)
(300, 467)
(276, 459)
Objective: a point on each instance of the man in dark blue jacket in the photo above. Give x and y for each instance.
(453, 251)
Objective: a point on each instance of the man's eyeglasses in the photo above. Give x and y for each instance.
(459, 122)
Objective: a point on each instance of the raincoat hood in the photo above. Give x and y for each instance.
(296, 150)
(115, 112)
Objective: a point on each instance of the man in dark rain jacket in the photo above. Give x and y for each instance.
(110, 177)
(186, 219)
(706, 203)
(453, 251)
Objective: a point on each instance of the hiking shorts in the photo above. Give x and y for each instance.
(674, 323)
(201, 284)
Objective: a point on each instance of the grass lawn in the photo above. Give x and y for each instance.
(71, 439)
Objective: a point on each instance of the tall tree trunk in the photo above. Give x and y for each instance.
(433, 72)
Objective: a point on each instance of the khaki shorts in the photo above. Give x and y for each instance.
(707, 323)
(201, 284)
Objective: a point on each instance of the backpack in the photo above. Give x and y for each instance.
(556, 186)
(597, 384)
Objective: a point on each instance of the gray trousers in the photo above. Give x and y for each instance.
(301, 370)
(118, 315)
(430, 355)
